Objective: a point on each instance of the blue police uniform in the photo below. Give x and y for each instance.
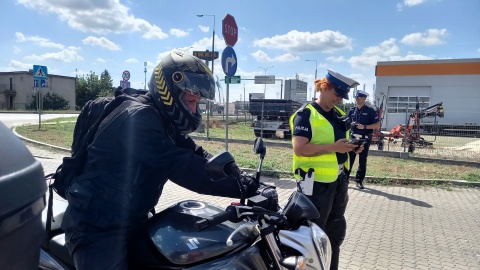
(365, 115)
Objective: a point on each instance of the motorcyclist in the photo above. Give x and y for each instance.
(132, 157)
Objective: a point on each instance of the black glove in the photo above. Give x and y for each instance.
(249, 183)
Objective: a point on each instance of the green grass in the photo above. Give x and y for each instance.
(59, 132)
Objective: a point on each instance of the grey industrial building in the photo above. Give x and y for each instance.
(296, 90)
(454, 82)
(17, 89)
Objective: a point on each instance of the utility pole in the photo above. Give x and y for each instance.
(314, 91)
(145, 85)
(213, 60)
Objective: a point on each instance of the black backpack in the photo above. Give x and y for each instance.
(94, 114)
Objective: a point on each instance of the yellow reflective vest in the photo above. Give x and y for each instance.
(325, 165)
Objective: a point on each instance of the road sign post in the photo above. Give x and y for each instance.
(40, 74)
(229, 58)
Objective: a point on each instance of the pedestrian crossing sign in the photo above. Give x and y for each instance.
(39, 72)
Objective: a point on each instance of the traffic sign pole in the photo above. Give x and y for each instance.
(229, 58)
(40, 74)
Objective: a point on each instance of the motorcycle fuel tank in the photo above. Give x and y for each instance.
(173, 234)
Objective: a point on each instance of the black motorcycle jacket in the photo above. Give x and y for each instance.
(129, 162)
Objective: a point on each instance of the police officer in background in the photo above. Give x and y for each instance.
(364, 120)
(320, 145)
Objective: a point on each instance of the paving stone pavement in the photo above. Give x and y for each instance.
(388, 227)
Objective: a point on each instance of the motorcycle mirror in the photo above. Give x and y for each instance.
(259, 147)
(219, 166)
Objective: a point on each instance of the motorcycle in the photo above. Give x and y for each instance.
(197, 235)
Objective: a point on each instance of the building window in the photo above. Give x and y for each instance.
(404, 104)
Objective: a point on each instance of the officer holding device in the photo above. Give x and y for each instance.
(364, 120)
(320, 133)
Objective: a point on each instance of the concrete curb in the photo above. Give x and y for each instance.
(39, 143)
(368, 179)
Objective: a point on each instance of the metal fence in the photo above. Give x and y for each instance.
(430, 136)
(456, 145)
(456, 142)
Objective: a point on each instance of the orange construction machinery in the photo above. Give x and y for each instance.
(411, 134)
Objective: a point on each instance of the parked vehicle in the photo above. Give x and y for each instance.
(247, 235)
(276, 114)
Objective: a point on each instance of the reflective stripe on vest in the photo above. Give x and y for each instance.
(325, 165)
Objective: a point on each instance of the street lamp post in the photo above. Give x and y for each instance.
(213, 53)
(145, 85)
(315, 91)
(263, 101)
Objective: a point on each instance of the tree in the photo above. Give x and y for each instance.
(51, 101)
(106, 86)
(90, 87)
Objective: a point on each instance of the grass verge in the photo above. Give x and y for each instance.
(278, 159)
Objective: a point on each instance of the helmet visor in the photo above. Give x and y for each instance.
(200, 85)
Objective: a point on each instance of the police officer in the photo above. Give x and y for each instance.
(131, 159)
(320, 145)
(364, 120)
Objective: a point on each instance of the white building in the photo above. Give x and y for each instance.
(16, 89)
(455, 82)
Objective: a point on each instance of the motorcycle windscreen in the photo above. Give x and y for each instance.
(173, 234)
(299, 208)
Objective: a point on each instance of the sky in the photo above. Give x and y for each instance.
(274, 37)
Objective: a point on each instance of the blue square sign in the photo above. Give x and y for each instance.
(39, 83)
(39, 72)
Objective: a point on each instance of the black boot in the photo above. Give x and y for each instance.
(359, 183)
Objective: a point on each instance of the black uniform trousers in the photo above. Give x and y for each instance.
(331, 201)
(362, 162)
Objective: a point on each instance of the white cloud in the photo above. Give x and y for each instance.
(206, 44)
(371, 55)
(411, 3)
(261, 56)
(100, 17)
(325, 41)
(385, 51)
(428, 38)
(337, 59)
(204, 29)
(44, 42)
(68, 55)
(17, 65)
(16, 50)
(131, 61)
(101, 42)
(178, 32)
(100, 60)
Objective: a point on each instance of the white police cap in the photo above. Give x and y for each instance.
(342, 83)
(361, 93)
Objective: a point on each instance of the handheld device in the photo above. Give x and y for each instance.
(357, 141)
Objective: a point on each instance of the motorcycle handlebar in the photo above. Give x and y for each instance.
(204, 223)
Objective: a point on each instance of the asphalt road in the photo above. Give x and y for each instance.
(10, 119)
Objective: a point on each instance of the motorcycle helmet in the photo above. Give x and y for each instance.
(174, 76)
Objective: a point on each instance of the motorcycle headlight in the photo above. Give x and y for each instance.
(322, 244)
